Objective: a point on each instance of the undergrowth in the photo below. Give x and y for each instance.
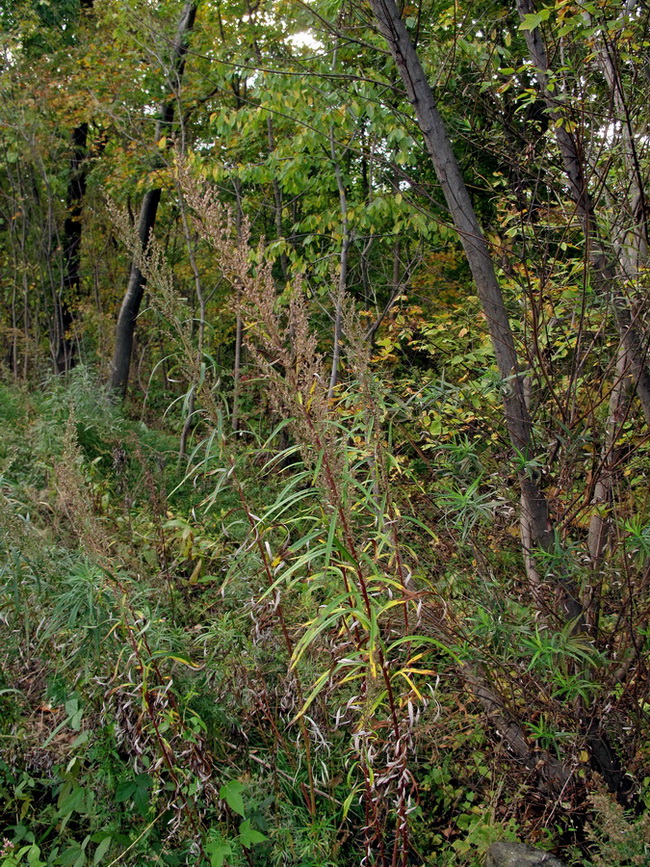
(305, 643)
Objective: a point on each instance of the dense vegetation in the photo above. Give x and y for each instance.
(323, 460)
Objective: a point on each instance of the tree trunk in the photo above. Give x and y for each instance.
(131, 304)
(72, 229)
(603, 269)
(72, 232)
(535, 524)
(635, 237)
(600, 521)
(536, 532)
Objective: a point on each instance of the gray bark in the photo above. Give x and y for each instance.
(200, 297)
(554, 776)
(600, 521)
(635, 237)
(603, 269)
(536, 531)
(130, 308)
(464, 216)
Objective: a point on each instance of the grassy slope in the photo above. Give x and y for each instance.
(145, 701)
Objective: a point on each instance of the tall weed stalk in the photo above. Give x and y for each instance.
(330, 544)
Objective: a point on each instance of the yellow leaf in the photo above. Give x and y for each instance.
(196, 572)
(182, 661)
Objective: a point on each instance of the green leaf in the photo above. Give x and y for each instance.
(143, 781)
(102, 849)
(124, 791)
(218, 851)
(71, 856)
(34, 856)
(80, 739)
(248, 836)
(73, 803)
(532, 21)
(141, 800)
(231, 794)
(175, 657)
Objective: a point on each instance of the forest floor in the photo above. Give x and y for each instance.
(157, 699)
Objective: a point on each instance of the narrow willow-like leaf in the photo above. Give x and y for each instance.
(425, 639)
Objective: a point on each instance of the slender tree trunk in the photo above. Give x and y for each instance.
(72, 232)
(135, 290)
(631, 246)
(535, 524)
(464, 216)
(64, 353)
(131, 303)
(634, 237)
(600, 521)
(603, 269)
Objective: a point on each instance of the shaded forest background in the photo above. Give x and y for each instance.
(325, 408)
